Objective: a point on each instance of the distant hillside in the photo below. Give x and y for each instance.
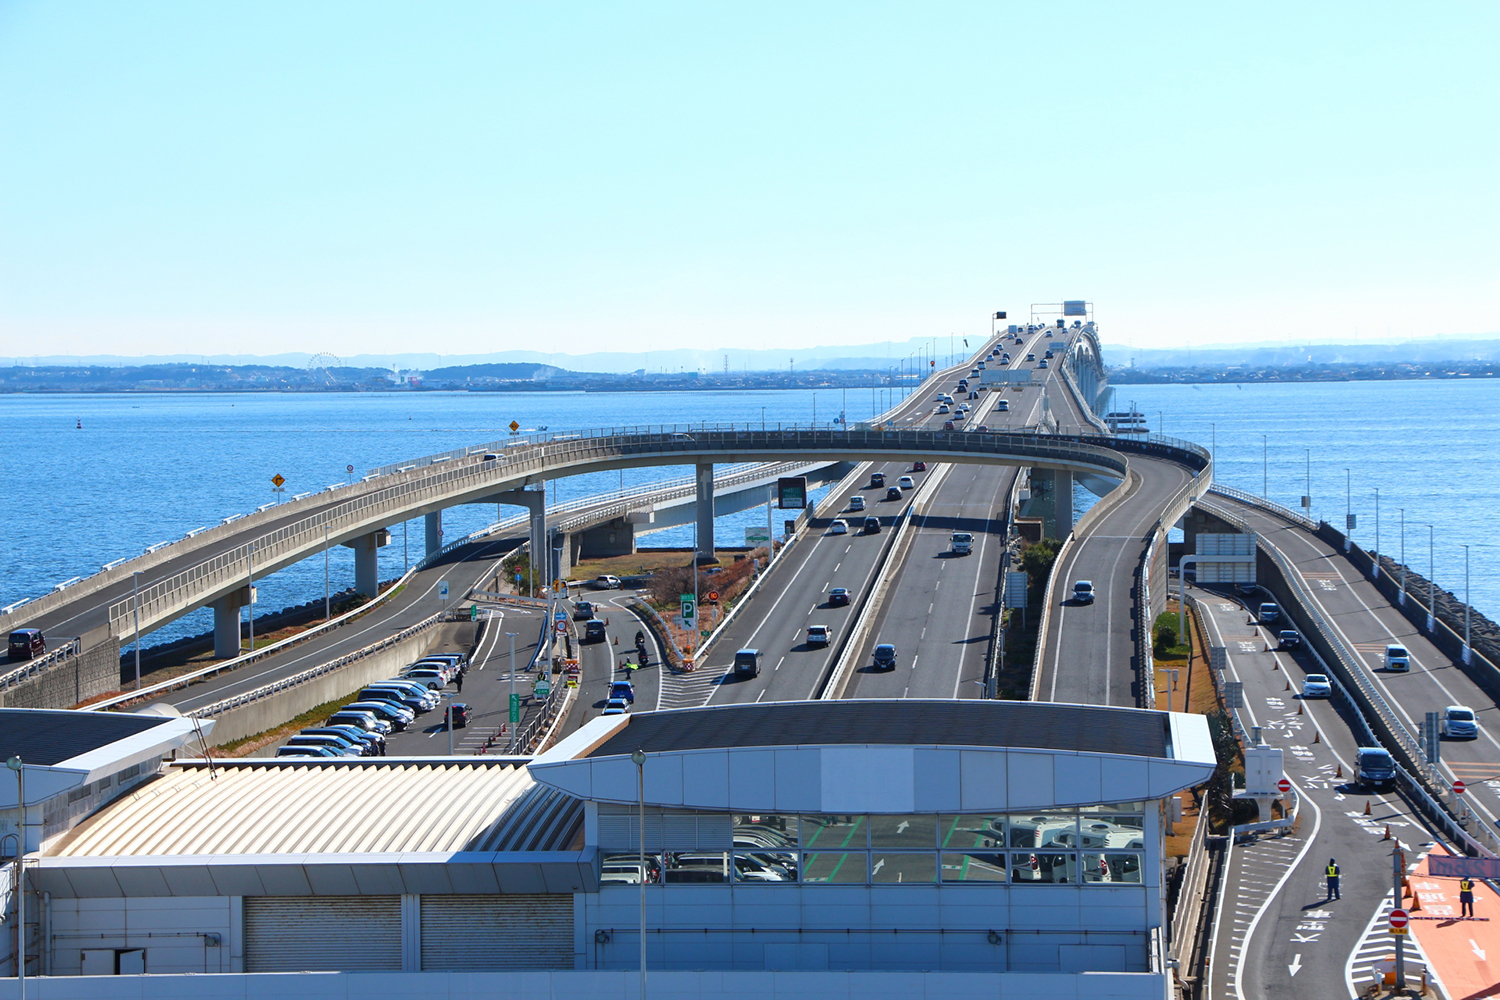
(514, 371)
(1295, 356)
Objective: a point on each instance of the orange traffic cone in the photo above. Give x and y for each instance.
(1299, 708)
(1387, 832)
(1288, 686)
(1339, 772)
(1416, 903)
(1367, 807)
(1276, 664)
(1317, 737)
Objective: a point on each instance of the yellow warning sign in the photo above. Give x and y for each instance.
(277, 479)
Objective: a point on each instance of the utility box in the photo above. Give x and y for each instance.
(1263, 769)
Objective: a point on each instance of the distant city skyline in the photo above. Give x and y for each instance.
(381, 179)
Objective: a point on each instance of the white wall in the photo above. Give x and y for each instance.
(170, 928)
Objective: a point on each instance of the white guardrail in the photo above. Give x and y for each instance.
(40, 665)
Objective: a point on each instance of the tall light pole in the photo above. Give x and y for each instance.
(1466, 604)
(135, 600)
(1307, 494)
(1431, 602)
(1213, 445)
(639, 759)
(16, 765)
(1402, 599)
(1375, 571)
(511, 702)
(327, 586)
(250, 591)
(1265, 466)
(1348, 509)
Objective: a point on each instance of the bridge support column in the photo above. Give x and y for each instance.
(434, 524)
(704, 513)
(227, 624)
(1052, 501)
(367, 561)
(535, 502)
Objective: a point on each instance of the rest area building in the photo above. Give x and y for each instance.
(995, 849)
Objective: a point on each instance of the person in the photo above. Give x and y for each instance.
(458, 682)
(1466, 897)
(640, 640)
(1333, 879)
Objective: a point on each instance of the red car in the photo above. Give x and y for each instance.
(919, 466)
(947, 425)
(26, 643)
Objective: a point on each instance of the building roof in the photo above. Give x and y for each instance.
(354, 806)
(48, 737)
(907, 722)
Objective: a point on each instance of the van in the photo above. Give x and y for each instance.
(1268, 613)
(593, 630)
(747, 663)
(872, 525)
(856, 502)
(26, 643)
(961, 542)
(1374, 768)
(1397, 658)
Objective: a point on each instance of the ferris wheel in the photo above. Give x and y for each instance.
(321, 366)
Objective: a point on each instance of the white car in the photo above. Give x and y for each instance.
(818, 635)
(856, 502)
(607, 582)
(906, 483)
(839, 527)
(1459, 722)
(1316, 686)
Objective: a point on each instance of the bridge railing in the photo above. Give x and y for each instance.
(40, 665)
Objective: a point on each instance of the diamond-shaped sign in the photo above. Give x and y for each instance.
(277, 479)
(514, 426)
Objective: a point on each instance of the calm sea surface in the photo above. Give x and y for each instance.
(147, 468)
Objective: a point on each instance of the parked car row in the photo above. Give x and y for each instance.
(359, 728)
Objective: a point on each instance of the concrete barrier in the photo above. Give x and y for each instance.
(73, 679)
(278, 709)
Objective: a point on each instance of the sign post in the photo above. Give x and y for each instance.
(278, 484)
(1399, 919)
(1283, 786)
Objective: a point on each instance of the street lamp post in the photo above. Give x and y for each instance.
(135, 601)
(1431, 600)
(1466, 604)
(1348, 509)
(512, 700)
(639, 759)
(1265, 466)
(16, 765)
(326, 580)
(1375, 567)
(1402, 599)
(1307, 489)
(249, 591)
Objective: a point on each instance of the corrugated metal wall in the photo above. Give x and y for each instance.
(477, 933)
(323, 933)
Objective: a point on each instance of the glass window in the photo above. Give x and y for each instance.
(835, 832)
(902, 831)
(1115, 807)
(765, 866)
(1122, 868)
(973, 867)
(695, 867)
(1043, 866)
(1100, 831)
(765, 831)
(835, 867)
(1043, 829)
(625, 869)
(963, 832)
(890, 867)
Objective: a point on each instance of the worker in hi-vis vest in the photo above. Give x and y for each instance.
(1333, 879)
(1466, 897)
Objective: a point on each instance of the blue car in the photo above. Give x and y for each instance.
(623, 690)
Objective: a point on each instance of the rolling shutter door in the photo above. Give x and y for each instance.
(322, 933)
(472, 933)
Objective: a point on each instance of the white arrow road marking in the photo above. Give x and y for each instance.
(1477, 950)
(1296, 965)
(879, 865)
(901, 826)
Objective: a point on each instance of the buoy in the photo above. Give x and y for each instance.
(80, 423)
(1367, 807)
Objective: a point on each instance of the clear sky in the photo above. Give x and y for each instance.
(374, 177)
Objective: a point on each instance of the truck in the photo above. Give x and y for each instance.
(962, 543)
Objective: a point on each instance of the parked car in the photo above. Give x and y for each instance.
(338, 744)
(1288, 638)
(1459, 722)
(26, 643)
(607, 582)
(364, 719)
(857, 502)
(1374, 767)
(622, 689)
(1083, 592)
(747, 663)
(397, 714)
(593, 630)
(300, 751)
(838, 596)
(616, 706)
(872, 525)
(1316, 686)
(885, 657)
(372, 743)
(417, 697)
(839, 527)
(1397, 658)
(434, 679)
(818, 635)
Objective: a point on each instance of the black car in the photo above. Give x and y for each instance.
(593, 631)
(872, 525)
(461, 712)
(885, 657)
(26, 643)
(893, 493)
(583, 610)
(838, 596)
(877, 479)
(1289, 639)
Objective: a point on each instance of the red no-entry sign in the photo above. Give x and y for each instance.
(1458, 788)
(1283, 786)
(1399, 920)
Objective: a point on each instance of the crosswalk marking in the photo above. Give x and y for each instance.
(684, 690)
(1378, 945)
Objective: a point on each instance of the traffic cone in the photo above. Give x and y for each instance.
(1387, 832)
(1288, 686)
(1299, 708)
(1416, 903)
(1265, 647)
(1339, 772)
(1317, 737)
(1276, 664)
(616, 642)
(1367, 807)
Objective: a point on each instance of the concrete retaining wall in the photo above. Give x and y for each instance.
(284, 706)
(93, 672)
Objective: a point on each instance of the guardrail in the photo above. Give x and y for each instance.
(1145, 626)
(41, 664)
(557, 699)
(1267, 505)
(1267, 826)
(870, 603)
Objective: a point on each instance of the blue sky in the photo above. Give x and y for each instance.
(370, 177)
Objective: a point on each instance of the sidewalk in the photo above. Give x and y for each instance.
(1465, 954)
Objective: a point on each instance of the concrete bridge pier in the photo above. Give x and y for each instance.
(433, 523)
(367, 561)
(704, 513)
(1052, 501)
(535, 502)
(227, 623)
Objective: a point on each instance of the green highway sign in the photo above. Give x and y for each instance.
(704, 633)
(515, 708)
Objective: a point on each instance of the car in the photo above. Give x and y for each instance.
(747, 663)
(1041, 364)
(1316, 686)
(1459, 722)
(1288, 639)
(872, 525)
(857, 502)
(839, 527)
(446, 671)
(26, 643)
(364, 720)
(303, 751)
(622, 689)
(974, 373)
(606, 582)
(947, 425)
(593, 631)
(1083, 592)
(1047, 356)
(398, 715)
(1268, 613)
(963, 385)
(461, 713)
(884, 657)
(338, 744)
(1031, 357)
(417, 697)
(583, 611)
(981, 429)
(893, 493)
(838, 596)
(1374, 767)
(907, 483)
(961, 543)
(818, 635)
(981, 366)
(432, 678)
(616, 706)
(877, 480)
(1397, 658)
(372, 742)
(1002, 406)
(943, 408)
(919, 466)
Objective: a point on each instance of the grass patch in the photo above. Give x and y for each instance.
(249, 744)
